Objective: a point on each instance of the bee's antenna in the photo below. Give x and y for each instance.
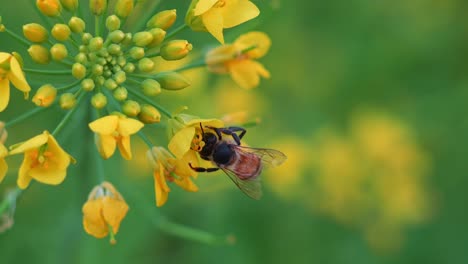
(203, 132)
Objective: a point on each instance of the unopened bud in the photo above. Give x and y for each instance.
(49, 8)
(158, 36)
(114, 49)
(96, 43)
(151, 87)
(97, 69)
(87, 85)
(67, 101)
(2, 27)
(77, 24)
(149, 114)
(99, 80)
(145, 65)
(131, 108)
(120, 94)
(164, 19)
(39, 54)
(58, 52)
(112, 22)
(110, 84)
(137, 53)
(142, 38)
(35, 32)
(123, 8)
(116, 36)
(86, 38)
(129, 67)
(128, 39)
(99, 100)
(61, 32)
(81, 58)
(45, 95)
(120, 77)
(175, 49)
(97, 7)
(172, 80)
(3, 133)
(70, 5)
(78, 71)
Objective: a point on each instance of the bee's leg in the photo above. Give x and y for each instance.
(200, 169)
(218, 131)
(236, 129)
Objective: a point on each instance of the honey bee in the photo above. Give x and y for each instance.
(242, 164)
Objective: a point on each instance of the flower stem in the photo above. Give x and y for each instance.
(70, 85)
(191, 66)
(96, 26)
(64, 72)
(17, 37)
(25, 116)
(145, 139)
(68, 116)
(148, 101)
(176, 31)
(11, 197)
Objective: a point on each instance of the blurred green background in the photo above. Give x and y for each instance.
(366, 99)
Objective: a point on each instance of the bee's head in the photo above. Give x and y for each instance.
(209, 140)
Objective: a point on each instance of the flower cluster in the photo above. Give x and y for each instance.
(111, 63)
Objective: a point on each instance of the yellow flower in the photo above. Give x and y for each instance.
(3, 164)
(215, 15)
(104, 211)
(167, 168)
(238, 59)
(10, 70)
(112, 131)
(44, 160)
(185, 133)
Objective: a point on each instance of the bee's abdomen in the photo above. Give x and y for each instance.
(246, 165)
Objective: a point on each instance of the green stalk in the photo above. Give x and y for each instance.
(176, 31)
(148, 101)
(68, 116)
(47, 72)
(25, 116)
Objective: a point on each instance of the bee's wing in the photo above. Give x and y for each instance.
(270, 157)
(251, 187)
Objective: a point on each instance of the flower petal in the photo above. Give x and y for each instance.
(106, 145)
(4, 56)
(258, 39)
(244, 73)
(61, 158)
(93, 222)
(125, 148)
(105, 125)
(213, 21)
(48, 175)
(129, 126)
(161, 189)
(4, 94)
(114, 211)
(186, 184)
(181, 141)
(3, 169)
(236, 12)
(23, 175)
(203, 6)
(16, 76)
(32, 143)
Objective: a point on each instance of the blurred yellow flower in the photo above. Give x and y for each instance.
(3, 164)
(185, 133)
(215, 15)
(112, 131)
(44, 161)
(238, 59)
(167, 168)
(103, 211)
(10, 70)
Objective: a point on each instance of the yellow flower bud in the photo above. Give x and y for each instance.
(96, 43)
(149, 114)
(129, 67)
(112, 22)
(39, 54)
(78, 71)
(110, 84)
(151, 87)
(120, 77)
(97, 7)
(99, 101)
(2, 27)
(164, 19)
(172, 80)
(67, 101)
(128, 39)
(142, 38)
(58, 52)
(158, 36)
(86, 38)
(137, 53)
(131, 108)
(70, 5)
(120, 94)
(145, 65)
(116, 36)
(175, 49)
(87, 85)
(61, 32)
(123, 8)
(49, 8)
(77, 24)
(3, 133)
(35, 32)
(45, 95)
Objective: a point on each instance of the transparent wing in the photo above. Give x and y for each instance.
(251, 187)
(270, 157)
